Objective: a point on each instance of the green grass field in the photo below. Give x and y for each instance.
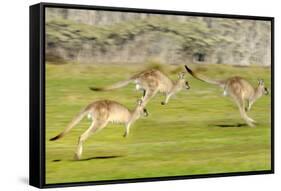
(196, 133)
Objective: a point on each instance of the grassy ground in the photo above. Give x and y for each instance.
(196, 133)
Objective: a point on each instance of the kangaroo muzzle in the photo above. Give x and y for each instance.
(145, 112)
(266, 92)
(187, 85)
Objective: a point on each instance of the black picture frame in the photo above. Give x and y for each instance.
(37, 94)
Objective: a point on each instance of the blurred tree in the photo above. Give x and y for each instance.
(103, 36)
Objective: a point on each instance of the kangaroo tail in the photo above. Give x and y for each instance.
(112, 87)
(203, 78)
(74, 122)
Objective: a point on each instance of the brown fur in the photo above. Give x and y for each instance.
(101, 113)
(240, 90)
(151, 82)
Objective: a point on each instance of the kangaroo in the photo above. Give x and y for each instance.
(101, 113)
(240, 90)
(151, 82)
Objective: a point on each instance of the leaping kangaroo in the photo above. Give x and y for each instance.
(240, 90)
(101, 113)
(151, 82)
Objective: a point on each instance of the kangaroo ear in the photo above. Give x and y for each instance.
(139, 101)
(261, 82)
(181, 75)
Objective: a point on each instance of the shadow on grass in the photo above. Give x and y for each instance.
(231, 125)
(92, 158)
(56, 160)
(100, 157)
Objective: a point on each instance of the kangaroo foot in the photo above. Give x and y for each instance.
(251, 120)
(76, 157)
(251, 124)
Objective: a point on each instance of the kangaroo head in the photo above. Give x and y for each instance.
(261, 87)
(141, 108)
(182, 82)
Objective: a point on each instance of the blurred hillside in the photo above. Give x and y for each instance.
(88, 36)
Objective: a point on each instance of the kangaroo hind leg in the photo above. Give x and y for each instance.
(241, 105)
(94, 127)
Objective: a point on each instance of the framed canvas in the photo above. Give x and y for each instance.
(122, 95)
